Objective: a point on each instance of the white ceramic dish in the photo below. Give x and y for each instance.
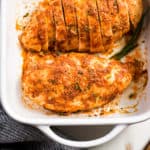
(11, 65)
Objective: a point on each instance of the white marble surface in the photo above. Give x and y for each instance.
(135, 137)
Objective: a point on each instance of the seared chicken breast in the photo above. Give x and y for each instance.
(74, 81)
(80, 25)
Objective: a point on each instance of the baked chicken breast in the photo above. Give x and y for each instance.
(74, 81)
(80, 25)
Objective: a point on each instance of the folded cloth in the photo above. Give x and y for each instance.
(14, 132)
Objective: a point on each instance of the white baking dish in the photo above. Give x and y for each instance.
(11, 65)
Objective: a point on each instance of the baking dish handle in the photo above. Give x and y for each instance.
(82, 144)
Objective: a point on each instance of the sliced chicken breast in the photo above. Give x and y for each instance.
(80, 25)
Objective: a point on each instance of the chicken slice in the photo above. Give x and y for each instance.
(46, 25)
(96, 43)
(43, 29)
(71, 24)
(29, 38)
(106, 25)
(51, 26)
(74, 81)
(61, 43)
(124, 16)
(83, 27)
(135, 11)
(115, 19)
(39, 32)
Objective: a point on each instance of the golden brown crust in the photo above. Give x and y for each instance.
(72, 82)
